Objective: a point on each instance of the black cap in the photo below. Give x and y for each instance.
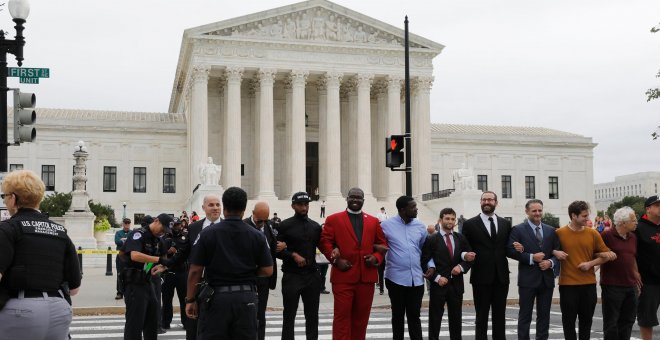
(146, 221)
(166, 220)
(300, 197)
(651, 200)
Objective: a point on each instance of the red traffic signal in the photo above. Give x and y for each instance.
(394, 151)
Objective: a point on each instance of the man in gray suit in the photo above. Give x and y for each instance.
(536, 280)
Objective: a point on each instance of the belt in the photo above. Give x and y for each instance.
(235, 288)
(31, 293)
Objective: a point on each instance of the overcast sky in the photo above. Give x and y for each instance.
(578, 66)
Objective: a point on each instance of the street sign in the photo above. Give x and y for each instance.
(28, 75)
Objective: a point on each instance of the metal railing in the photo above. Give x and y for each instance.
(437, 194)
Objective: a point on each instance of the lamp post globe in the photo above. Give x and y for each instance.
(19, 9)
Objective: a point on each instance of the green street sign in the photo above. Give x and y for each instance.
(23, 80)
(26, 72)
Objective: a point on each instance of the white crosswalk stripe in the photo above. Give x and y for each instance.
(112, 327)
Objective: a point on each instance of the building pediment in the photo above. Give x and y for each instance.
(312, 22)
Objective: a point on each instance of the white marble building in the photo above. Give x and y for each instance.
(642, 184)
(279, 99)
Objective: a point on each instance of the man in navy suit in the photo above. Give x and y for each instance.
(536, 279)
(451, 254)
(488, 235)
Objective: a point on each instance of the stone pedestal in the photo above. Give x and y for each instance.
(466, 202)
(80, 227)
(196, 201)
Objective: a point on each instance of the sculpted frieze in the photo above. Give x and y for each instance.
(317, 24)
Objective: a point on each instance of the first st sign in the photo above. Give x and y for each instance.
(28, 75)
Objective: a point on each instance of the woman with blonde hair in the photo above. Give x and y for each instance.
(38, 265)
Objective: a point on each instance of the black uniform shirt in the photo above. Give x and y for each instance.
(301, 236)
(179, 240)
(231, 251)
(143, 241)
(51, 256)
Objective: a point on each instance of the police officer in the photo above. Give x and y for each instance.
(232, 255)
(143, 250)
(37, 259)
(177, 245)
(120, 238)
(301, 278)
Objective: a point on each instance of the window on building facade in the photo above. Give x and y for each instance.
(506, 186)
(530, 187)
(137, 219)
(482, 182)
(13, 167)
(435, 182)
(554, 187)
(109, 179)
(169, 180)
(139, 179)
(48, 176)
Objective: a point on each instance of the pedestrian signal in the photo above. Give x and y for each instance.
(394, 151)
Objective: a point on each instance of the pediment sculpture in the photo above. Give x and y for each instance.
(316, 24)
(209, 173)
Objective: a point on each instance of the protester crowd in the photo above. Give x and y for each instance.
(222, 266)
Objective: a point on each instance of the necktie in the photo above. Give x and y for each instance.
(451, 249)
(493, 233)
(539, 238)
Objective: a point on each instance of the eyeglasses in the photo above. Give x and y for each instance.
(488, 200)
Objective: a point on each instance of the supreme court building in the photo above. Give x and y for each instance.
(297, 98)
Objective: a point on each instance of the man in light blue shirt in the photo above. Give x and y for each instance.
(404, 278)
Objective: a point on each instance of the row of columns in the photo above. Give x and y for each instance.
(328, 85)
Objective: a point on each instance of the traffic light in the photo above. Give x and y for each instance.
(24, 116)
(394, 151)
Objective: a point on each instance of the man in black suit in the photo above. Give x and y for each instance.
(536, 279)
(212, 208)
(451, 254)
(488, 234)
(259, 220)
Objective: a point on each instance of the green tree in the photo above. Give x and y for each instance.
(635, 202)
(102, 211)
(550, 219)
(56, 205)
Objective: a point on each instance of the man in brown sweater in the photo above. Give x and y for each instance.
(582, 249)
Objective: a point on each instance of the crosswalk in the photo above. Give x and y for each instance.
(112, 327)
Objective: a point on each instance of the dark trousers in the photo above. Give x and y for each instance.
(439, 296)
(577, 302)
(619, 311)
(141, 312)
(381, 276)
(157, 284)
(322, 212)
(171, 281)
(485, 297)
(294, 287)
(262, 291)
(229, 316)
(119, 265)
(543, 297)
(406, 303)
(323, 269)
(191, 329)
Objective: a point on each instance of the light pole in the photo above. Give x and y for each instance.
(124, 205)
(19, 10)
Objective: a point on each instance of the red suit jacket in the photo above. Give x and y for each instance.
(338, 232)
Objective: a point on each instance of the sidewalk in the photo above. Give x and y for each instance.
(98, 291)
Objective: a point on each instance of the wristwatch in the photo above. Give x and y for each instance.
(189, 300)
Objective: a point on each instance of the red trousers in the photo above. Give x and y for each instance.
(352, 309)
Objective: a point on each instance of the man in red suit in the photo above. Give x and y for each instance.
(348, 241)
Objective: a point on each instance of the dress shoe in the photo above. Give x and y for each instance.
(325, 292)
(119, 296)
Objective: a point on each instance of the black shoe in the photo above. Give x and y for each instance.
(325, 292)
(166, 326)
(119, 296)
(161, 331)
(381, 293)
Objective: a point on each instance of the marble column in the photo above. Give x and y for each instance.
(266, 140)
(199, 106)
(394, 178)
(363, 146)
(378, 132)
(323, 136)
(296, 131)
(232, 166)
(352, 133)
(421, 136)
(332, 146)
